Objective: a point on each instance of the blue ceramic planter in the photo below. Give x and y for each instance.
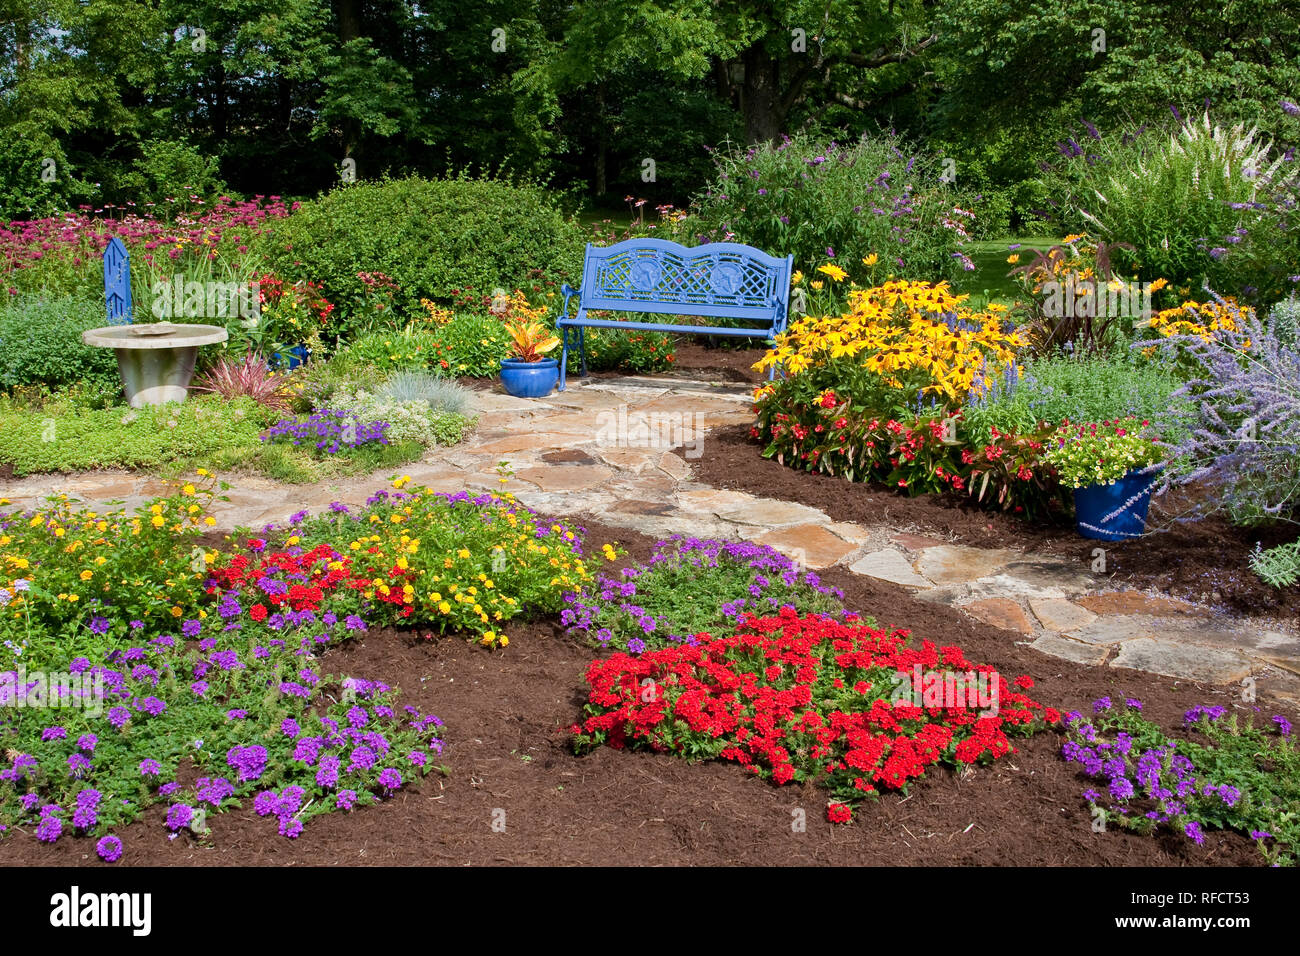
(1130, 496)
(290, 359)
(529, 379)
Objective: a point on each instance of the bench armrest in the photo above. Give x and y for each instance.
(568, 292)
(781, 317)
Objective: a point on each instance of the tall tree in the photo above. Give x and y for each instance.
(773, 61)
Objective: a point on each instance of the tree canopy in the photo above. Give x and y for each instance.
(122, 100)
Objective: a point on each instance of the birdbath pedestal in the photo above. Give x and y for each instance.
(156, 359)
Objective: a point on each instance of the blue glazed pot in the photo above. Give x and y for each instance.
(1093, 503)
(292, 359)
(529, 379)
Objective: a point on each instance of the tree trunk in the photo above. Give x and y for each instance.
(349, 15)
(602, 143)
(761, 101)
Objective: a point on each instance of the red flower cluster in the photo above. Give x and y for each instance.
(271, 289)
(806, 698)
(310, 572)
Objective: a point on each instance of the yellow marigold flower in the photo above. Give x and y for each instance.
(209, 521)
(834, 271)
(86, 575)
(796, 278)
(157, 521)
(1013, 258)
(187, 490)
(871, 260)
(817, 284)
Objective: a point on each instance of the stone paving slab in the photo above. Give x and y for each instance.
(1184, 661)
(1001, 613)
(957, 564)
(562, 478)
(810, 545)
(1066, 649)
(1117, 630)
(1058, 614)
(771, 513)
(890, 565)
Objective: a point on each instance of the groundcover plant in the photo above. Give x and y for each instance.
(1225, 773)
(675, 596)
(450, 562)
(230, 705)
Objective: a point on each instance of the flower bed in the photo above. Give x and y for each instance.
(931, 453)
(238, 698)
(230, 686)
(447, 561)
(855, 399)
(795, 699)
(70, 577)
(1242, 778)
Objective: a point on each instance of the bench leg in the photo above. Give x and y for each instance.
(564, 354)
(582, 349)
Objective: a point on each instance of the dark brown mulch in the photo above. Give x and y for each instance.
(508, 714)
(1203, 561)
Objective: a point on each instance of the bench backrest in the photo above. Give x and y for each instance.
(719, 279)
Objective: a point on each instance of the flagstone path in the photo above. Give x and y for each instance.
(600, 449)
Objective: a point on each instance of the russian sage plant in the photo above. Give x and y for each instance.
(1245, 441)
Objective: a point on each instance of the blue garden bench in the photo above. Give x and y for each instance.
(718, 280)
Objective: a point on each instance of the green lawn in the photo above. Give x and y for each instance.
(990, 282)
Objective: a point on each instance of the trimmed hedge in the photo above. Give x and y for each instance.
(40, 343)
(430, 236)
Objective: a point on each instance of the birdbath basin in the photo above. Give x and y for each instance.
(156, 359)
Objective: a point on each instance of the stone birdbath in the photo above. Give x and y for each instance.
(156, 359)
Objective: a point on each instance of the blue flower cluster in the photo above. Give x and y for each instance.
(331, 431)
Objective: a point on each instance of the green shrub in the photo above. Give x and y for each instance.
(168, 172)
(1278, 566)
(24, 195)
(40, 343)
(639, 351)
(472, 345)
(392, 351)
(1183, 197)
(1284, 320)
(429, 236)
(839, 201)
(1062, 388)
(312, 385)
